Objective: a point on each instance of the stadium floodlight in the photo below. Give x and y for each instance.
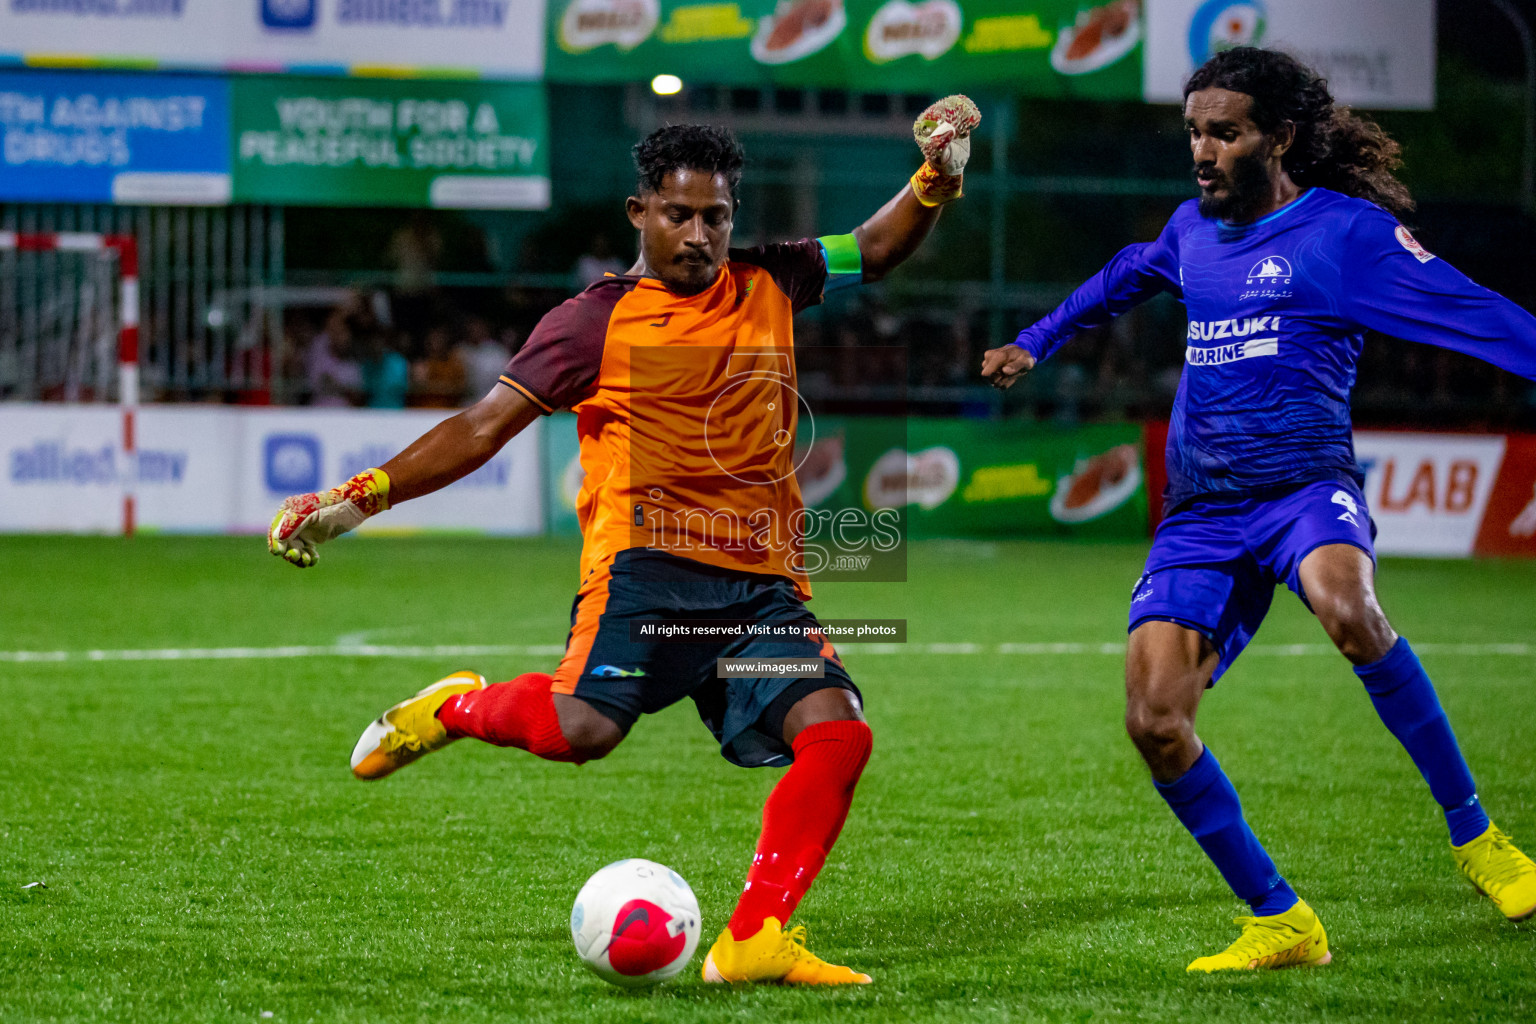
(121, 251)
(666, 85)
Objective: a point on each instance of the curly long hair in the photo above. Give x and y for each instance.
(1335, 148)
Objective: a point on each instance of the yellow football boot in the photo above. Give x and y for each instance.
(409, 729)
(1292, 939)
(774, 956)
(1500, 872)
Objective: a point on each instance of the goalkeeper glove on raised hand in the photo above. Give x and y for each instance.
(307, 520)
(943, 133)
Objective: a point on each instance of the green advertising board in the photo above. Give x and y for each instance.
(373, 142)
(562, 474)
(967, 478)
(1051, 48)
(948, 477)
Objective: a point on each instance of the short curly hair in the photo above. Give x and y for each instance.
(1335, 147)
(693, 147)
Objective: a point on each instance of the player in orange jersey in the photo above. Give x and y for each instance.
(678, 373)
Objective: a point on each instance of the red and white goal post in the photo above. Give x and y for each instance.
(122, 250)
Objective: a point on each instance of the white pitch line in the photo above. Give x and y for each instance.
(1059, 648)
(293, 651)
(1517, 650)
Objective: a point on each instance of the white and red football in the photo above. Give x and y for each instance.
(635, 923)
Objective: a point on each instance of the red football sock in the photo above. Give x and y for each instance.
(801, 820)
(520, 714)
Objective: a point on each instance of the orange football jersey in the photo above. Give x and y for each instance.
(686, 410)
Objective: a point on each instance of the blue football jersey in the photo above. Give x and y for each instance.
(1277, 313)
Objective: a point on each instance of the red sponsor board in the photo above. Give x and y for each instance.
(1441, 495)
(1509, 525)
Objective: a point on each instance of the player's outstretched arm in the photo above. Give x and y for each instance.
(1137, 273)
(1394, 285)
(943, 133)
(460, 444)
(455, 447)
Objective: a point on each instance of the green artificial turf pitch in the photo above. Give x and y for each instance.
(209, 858)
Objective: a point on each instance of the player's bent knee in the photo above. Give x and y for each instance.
(1160, 713)
(830, 704)
(1165, 740)
(1356, 626)
(592, 750)
(1153, 726)
(593, 741)
(591, 734)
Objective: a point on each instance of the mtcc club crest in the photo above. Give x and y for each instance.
(1270, 270)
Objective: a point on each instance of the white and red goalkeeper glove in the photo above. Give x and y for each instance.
(306, 521)
(943, 133)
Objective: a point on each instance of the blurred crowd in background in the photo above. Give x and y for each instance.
(356, 354)
(417, 344)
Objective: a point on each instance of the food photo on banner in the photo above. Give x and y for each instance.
(1040, 48)
(1375, 54)
(947, 478)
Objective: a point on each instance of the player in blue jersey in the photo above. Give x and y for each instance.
(1289, 255)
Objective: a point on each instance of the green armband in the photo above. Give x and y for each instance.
(843, 256)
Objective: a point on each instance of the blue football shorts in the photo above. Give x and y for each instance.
(1215, 563)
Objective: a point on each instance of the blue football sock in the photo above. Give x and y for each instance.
(1207, 805)
(1405, 699)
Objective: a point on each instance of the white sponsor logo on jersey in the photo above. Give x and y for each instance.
(1248, 328)
(1271, 270)
(1241, 327)
(1219, 354)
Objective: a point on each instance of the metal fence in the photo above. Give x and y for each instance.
(59, 321)
(210, 304)
(223, 319)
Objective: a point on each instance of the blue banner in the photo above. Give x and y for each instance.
(110, 138)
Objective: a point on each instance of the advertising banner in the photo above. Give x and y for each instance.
(562, 475)
(1434, 495)
(293, 451)
(1374, 54)
(469, 145)
(950, 478)
(961, 478)
(62, 469)
(1035, 47)
(1428, 492)
(103, 138)
(458, 38)
(225, 470)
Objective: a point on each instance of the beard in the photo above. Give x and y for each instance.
(690, 278)
(1248, 188)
